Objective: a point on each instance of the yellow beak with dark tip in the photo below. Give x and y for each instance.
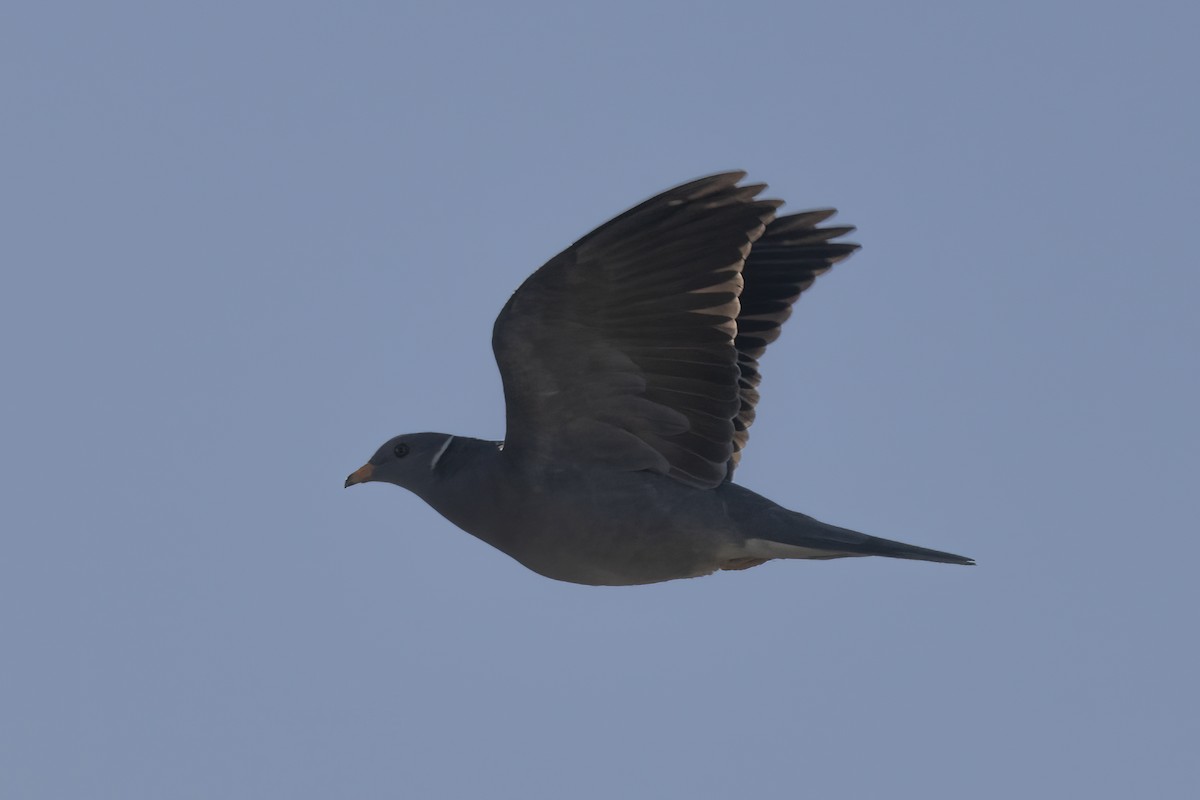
(360, 475)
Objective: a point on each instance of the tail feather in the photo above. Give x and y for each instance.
(874, 546)
(813, 539)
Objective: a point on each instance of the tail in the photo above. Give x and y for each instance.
(874, 546)
(815, 540)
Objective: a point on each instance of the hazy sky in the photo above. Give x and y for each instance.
(243, 244)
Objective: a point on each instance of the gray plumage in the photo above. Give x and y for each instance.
(630, 370)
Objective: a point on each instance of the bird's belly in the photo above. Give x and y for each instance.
(576, 559)
(644, 537)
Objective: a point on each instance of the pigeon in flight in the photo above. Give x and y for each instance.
(630, 371)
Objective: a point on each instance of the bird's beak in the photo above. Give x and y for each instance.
(360, 475)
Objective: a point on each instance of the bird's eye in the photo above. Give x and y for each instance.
(401, 450)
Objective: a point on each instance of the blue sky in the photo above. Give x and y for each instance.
(245, 244)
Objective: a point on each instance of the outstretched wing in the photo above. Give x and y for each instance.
(784, 262)
(625, 350)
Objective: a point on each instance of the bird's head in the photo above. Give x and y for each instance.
(408, 461)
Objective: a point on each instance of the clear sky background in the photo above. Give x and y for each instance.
(245, 243)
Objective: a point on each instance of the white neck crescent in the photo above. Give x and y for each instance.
(441, 451)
